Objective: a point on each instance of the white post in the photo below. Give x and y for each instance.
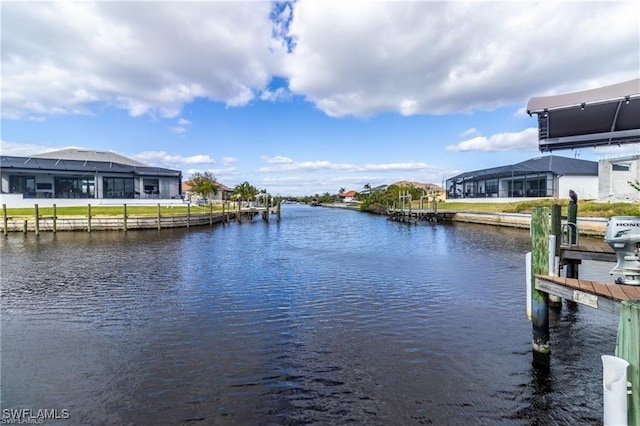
(614, 384)
(527, 261)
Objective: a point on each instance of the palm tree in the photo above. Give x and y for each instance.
(341, 191)
(245, 191)
(367, 187)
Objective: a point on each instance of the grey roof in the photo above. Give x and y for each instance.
(549, 163)
(597, 117)
(614, 92)
(82, 166)
(90, 155)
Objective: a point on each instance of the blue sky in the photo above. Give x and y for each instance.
(304, 97)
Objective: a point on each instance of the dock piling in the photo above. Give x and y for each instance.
(556, 229)
(36, 214)
(5, 220)
(540, 300)
(628, 348)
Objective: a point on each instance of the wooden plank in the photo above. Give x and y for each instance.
(617, 292)
(584, 255)
(614, 291)
(630, 291)
(604, 304)
(585, 285)
(603, 289)
(602, 253)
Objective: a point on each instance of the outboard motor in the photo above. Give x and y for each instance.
(623, 235)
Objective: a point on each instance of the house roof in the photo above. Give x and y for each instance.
(351, 193)
(90, 155)
(549, 163)
(419, 185)
(186, 186)
(597, 117)
(82, 166)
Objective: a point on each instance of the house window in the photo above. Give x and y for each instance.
(620, 167)
(491, 186)
(118, 188)
(22, 185)
(151, 188)
(72, 187)
(536, 187)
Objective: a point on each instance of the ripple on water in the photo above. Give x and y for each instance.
(328, 317)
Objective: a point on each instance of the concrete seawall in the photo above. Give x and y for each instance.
(595, 226)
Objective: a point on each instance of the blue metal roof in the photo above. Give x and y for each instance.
(549, 163)
(80, 166)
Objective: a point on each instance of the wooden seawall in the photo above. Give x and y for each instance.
(90, 222)
(49, 224)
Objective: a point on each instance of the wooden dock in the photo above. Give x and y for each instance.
(597, 295)
(602, 253)
(619, 299)
(417, 215)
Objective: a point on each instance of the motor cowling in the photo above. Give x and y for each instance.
(623, 236)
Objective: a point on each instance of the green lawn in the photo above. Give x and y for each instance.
(585, 208)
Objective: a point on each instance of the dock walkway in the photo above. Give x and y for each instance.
(598, 295)
(415, 215)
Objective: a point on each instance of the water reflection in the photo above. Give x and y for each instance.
(327, 317)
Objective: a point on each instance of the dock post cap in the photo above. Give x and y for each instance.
(614, 384)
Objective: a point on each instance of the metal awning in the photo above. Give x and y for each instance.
(598, 117)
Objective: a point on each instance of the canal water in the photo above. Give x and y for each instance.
(328, 317)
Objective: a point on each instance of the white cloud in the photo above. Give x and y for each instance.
(306, 166)
(164, 159)
(280, 94)
(287, 165)
(276, 160)
(25, 149)
(526, 140)
(177, 130)
(64, 57)
(181, 127)
(363, 58)
(348, 58)
(219, 173)
(229, 160)
(470, 133)
(618, 151)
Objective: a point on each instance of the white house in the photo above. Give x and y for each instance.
(614, 177)
(76, 176)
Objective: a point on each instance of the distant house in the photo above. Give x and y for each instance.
(349, 196)
(428, 188)
(614, 175)
(224, 193)
(546, 176)
(77, 174)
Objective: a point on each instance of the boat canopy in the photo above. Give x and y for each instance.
(598, 117)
